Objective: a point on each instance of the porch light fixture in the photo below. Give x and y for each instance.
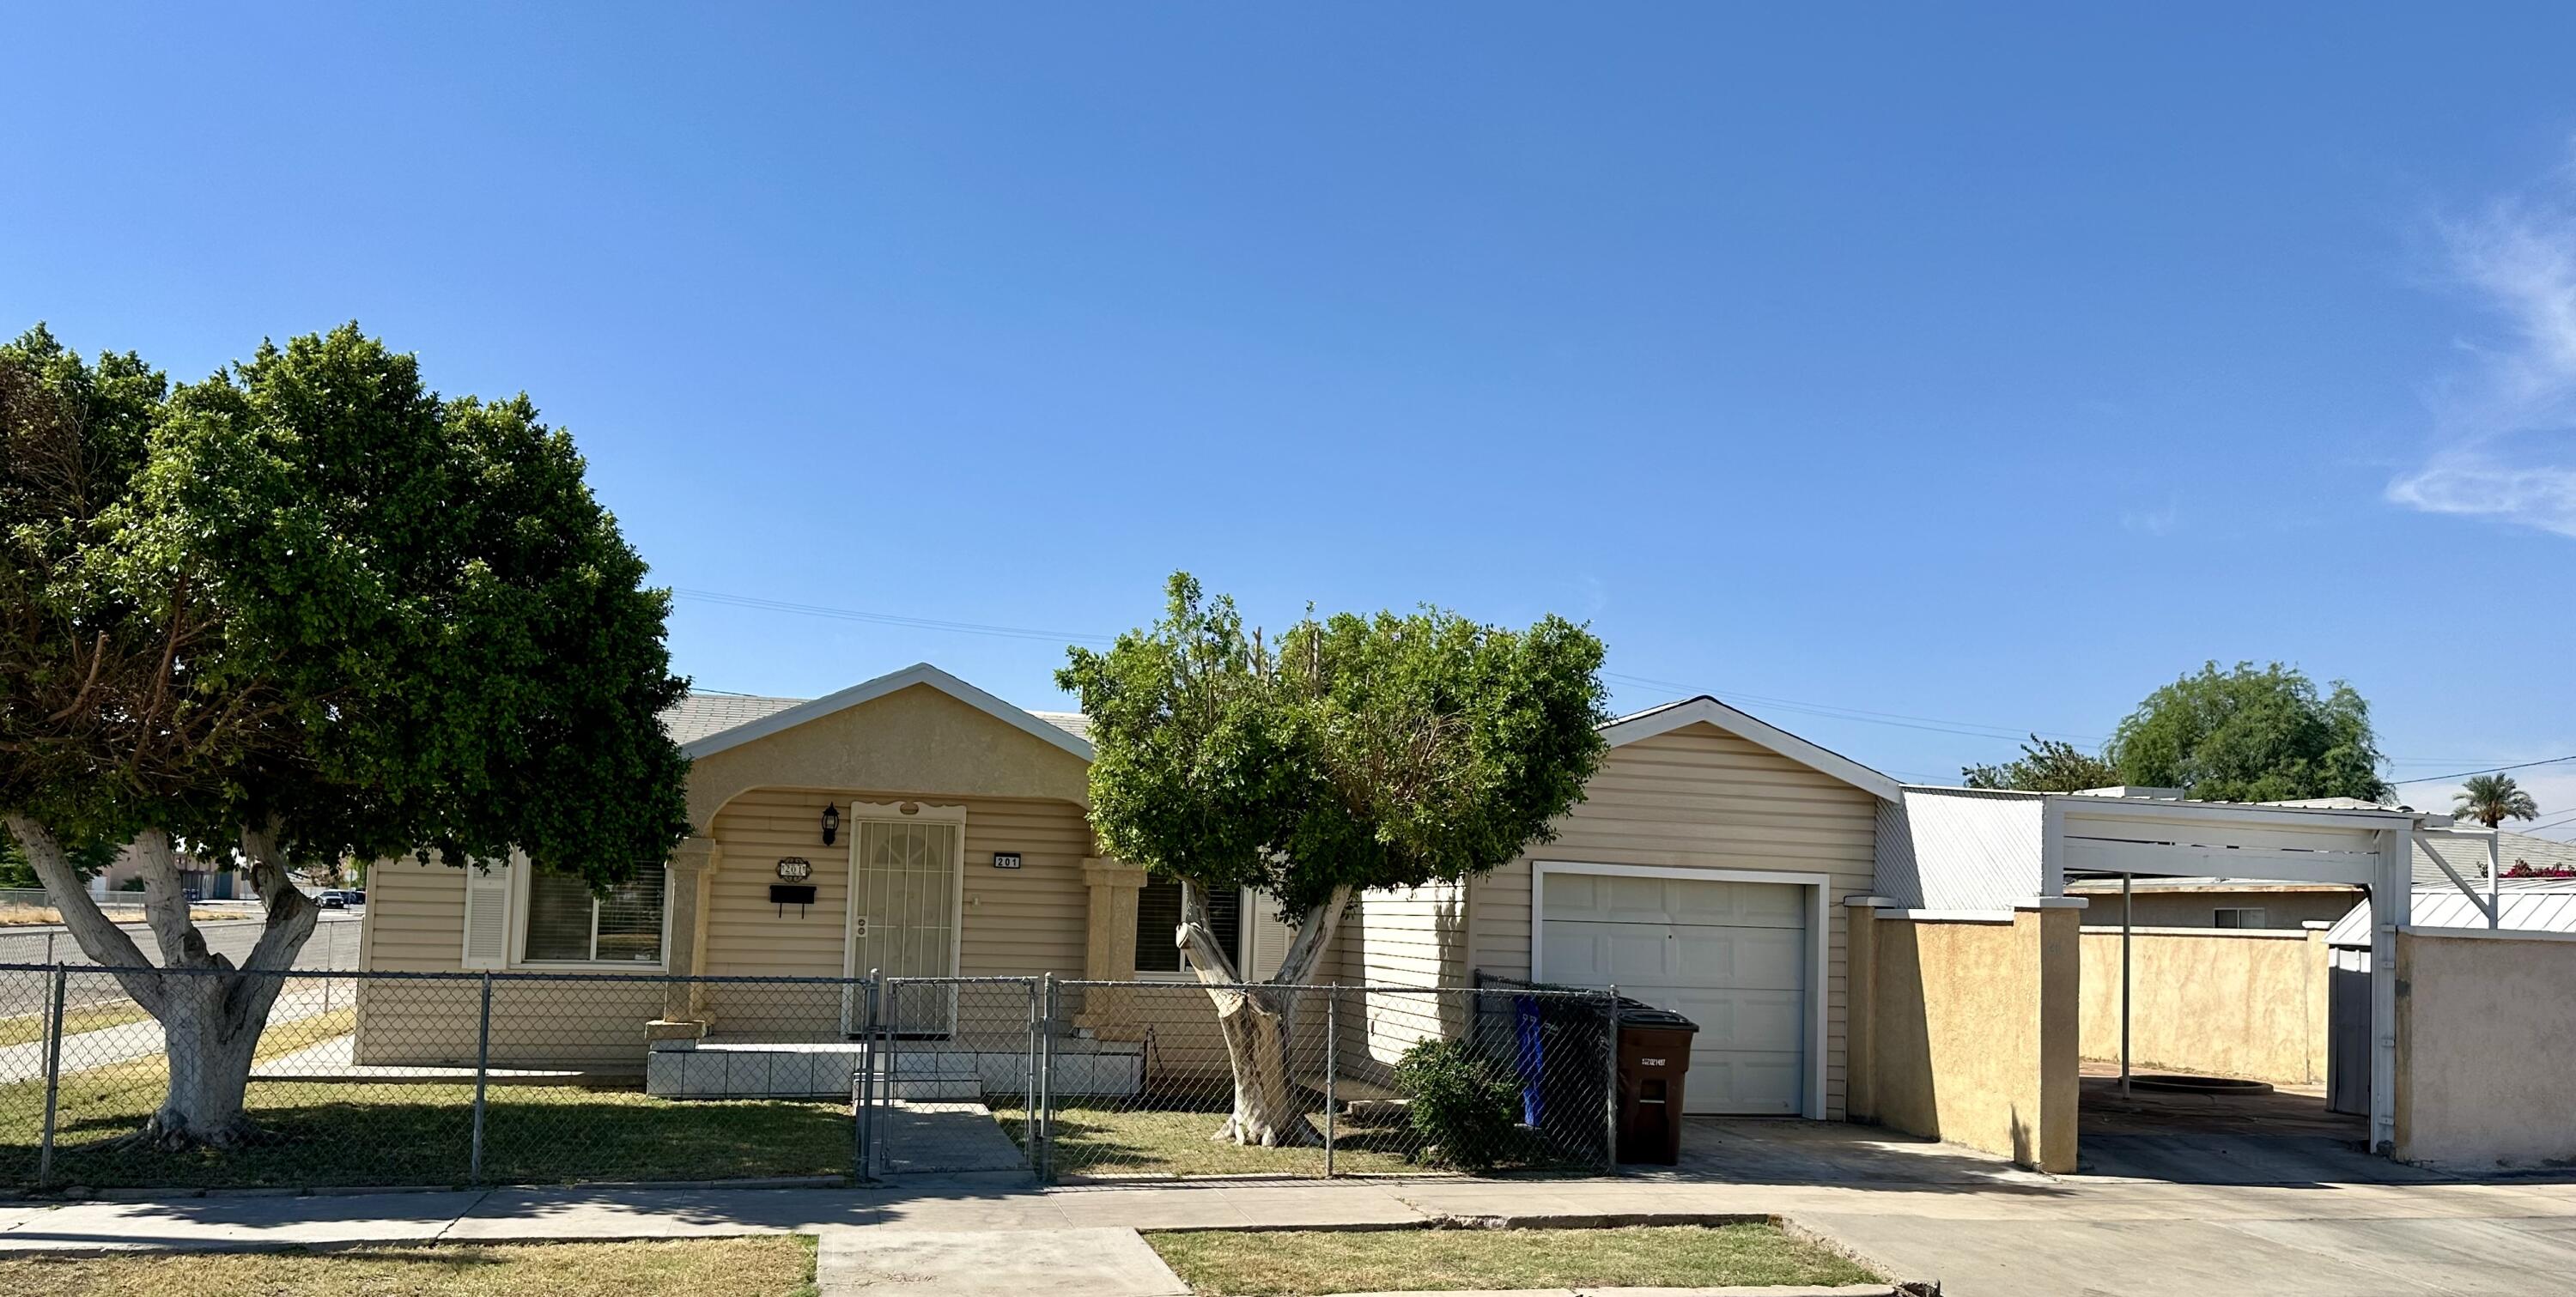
(831, 823)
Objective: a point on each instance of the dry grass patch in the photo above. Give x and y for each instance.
(1300, 1263)
(31, 1026)
(25, 916)
(776, 1265)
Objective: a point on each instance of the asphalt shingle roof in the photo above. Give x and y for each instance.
(701, 714)
(698, 715)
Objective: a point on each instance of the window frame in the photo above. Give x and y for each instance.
(2218, 911)
(1243, 939)
(523, 871)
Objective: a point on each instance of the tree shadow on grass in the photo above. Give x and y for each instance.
(424, 1135)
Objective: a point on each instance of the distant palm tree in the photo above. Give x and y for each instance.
(2493, 799)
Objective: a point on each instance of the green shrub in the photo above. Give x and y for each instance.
(1465, 1108)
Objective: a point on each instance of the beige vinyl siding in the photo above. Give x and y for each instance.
(1016, 922)
(1699, 797)
(1410, 938)
(415, 923)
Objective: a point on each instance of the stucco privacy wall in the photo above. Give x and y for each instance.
(1700, 797)
(2224, 1003)
(2486, 1036)
(2284, 907)
(1973, 1032)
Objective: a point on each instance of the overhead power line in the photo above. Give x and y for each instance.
(889, 619)
(2490, 770)
(1829, 711)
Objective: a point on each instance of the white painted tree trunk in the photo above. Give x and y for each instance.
(211, 1012)
(1258, 1022)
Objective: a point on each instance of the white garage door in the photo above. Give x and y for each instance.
(1729, 956)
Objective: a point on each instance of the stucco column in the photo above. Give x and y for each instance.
(687, 890)
(2050, 931)
(1109, 941)
(1860, 1007)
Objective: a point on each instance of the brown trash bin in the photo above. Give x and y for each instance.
(1654, 1060)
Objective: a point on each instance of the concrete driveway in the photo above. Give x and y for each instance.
(2333, 1221)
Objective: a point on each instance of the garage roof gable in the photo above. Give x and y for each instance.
(1709, 711)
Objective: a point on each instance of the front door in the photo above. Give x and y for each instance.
(903, 914)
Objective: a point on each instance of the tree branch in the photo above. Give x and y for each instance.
(96, 934)
(1314, 936)
(165, 901)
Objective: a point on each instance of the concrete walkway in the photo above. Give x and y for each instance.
(2027, 1238)
(83, 1050)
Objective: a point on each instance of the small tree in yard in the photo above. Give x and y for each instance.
(1353, 753)
(305, 610)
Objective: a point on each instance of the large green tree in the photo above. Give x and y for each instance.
(2245, 734)
(2044, 766)
(1349, 754)
(306, 609)
(2252, 734)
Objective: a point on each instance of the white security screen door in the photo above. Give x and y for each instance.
(1730, 956)
(903, 912)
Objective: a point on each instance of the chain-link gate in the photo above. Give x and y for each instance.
(951, 1065)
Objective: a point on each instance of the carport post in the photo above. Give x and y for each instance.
(2495, 857)
(2392, 904)
(2125, 880)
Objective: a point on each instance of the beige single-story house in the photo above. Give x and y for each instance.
(942, 833)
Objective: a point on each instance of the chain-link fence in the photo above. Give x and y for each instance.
(394, 1079)
(383, 1079)
(1186, 1079)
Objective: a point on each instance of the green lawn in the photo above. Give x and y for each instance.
(1093, 1140)
(776, 1265)
(395, 1134)
(1298, 1263)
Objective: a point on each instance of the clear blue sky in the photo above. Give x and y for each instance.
(1990, 367)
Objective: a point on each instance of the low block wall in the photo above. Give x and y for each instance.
(2249, 1003)
(2486, 1030)
(1972, 1032)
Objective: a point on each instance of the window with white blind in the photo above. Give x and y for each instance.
(1158, 914)
(563, 923)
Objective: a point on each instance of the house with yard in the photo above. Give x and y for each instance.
(1850, 949)
(917, 826)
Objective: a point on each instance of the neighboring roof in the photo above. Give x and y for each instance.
(1073, 723)
(2527, 905)
(919, 673)
(2336, 804)
(702, 713)
(1692, 711)
(2468, 855)
(2099, 885)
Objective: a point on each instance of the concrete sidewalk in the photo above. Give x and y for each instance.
(1983, 1239)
